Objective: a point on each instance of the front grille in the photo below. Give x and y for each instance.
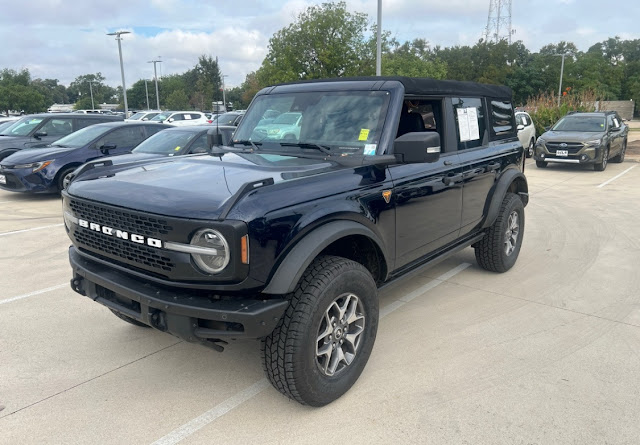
(571, 147)
(126, 221)
(136, 253)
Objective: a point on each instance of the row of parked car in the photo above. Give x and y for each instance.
(39, 153)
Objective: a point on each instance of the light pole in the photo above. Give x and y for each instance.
(379, 41)
(93, 107)
(146, 90)
(155, 75)
(224, 98)
(561, 73)
(118, 35)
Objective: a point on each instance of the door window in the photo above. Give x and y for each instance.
(57, 127)
(471, 126)
(178, 117)
(199, 145)
(125, 137)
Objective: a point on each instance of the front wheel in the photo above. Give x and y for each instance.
(530, 148)
(600, 166)
(63, 177)
(324, 340)
(499, 249)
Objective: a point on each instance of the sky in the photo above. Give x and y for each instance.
(63, 39)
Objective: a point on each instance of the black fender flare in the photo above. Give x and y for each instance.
(290, 270)
(501, 189)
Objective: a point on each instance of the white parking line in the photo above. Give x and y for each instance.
(29, 230)
(31, 294)
(617, 176)
(223, 408)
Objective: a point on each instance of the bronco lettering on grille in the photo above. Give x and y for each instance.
(133, 237)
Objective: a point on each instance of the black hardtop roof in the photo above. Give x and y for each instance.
(425, 86)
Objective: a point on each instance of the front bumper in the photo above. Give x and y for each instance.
(187, 314)
(586, 155)
(24, 181)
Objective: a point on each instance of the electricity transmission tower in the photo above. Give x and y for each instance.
(499, 21)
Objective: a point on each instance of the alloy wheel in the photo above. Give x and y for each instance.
(511, 235)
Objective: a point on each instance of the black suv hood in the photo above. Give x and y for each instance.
(188, 187)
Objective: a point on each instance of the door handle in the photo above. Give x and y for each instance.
(448, 162)
(492, 166)
(451, 179)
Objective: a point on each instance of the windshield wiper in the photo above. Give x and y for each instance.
(323, 148)
(254, 145)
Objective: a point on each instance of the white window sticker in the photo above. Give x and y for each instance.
(468, 124)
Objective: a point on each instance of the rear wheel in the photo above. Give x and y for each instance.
(600, 166)
(323, 341)
(530, 148)
(499, 249)
(541, 164)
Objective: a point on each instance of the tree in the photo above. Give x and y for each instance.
(325, 41)
(178, 100)
(413, 59)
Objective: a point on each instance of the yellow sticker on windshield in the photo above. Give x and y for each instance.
(177, 148)
(364, 134)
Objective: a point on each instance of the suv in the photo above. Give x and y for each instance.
(289, 240)
(584, 138)
(180, 118)
(526, 132)
(39, 130)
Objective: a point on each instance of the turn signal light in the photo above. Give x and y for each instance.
(244, 249)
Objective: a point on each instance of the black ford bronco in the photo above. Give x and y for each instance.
(329, 191)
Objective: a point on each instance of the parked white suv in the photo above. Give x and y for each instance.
(526, 132)
(143, 116)
(181, 118)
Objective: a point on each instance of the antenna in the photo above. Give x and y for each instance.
(499, 22)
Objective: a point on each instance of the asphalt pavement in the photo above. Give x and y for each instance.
(547, 353)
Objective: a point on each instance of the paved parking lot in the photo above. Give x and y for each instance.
(546, 353)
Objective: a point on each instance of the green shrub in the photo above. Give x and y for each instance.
(545, 112)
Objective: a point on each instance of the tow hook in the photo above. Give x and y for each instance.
(157, 320)
(76, 285)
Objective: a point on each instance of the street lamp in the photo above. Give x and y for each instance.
(379, 41)
(93, 107)
(155, 75)
(561, 73)
(146, 90)
(224, 98)
(118, 35)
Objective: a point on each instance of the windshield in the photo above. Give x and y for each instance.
(23, 126)
(160, 117)
(342, 121)
(166, 142)
(5, 125)
(580, 123)
(81, 137)
(137, 116)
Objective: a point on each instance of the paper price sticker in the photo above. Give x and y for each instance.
(364, 134)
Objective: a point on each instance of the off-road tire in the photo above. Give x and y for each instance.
(129, 319)
(601, 166)
(490, 250)
(541, 164)
(620, 157)
(289, 353)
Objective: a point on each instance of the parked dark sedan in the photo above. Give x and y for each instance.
(39, 130)
(43, 170)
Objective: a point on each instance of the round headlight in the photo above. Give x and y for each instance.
(218, 259)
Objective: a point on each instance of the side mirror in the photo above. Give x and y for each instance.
(145, 118)
(39, 134)
(106, 147)
(418, 147)
(170, 119)
(520, 127)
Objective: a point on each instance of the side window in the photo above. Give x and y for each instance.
(195, 116)
(502, 122)
(57, 127)
(82, 123)
(186, 117)
(616, 123)
(610, 123)
(124, 137)
(471, 125)
(178, 117)
(199, 145)
(153, 129)
(527, 120)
